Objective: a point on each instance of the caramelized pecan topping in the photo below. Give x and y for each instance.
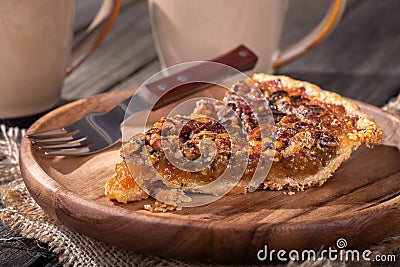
(300, 121)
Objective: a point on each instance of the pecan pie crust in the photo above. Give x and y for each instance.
(315, 131)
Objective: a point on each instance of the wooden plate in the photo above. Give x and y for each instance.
(360, 203)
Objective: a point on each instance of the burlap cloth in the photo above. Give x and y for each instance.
(25, 217)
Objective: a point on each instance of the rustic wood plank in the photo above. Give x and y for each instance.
(18, 251)
(365, 42)
(360, 59)
(298, 24)
(375, 89)
(140, 76)
(127, 49)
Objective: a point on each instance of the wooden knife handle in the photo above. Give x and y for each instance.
(199, 76)
(240, 58)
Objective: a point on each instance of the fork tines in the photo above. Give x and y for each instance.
(60, 142)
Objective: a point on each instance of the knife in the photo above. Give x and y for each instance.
(173, 87)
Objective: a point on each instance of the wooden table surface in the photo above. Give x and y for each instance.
(360, 59)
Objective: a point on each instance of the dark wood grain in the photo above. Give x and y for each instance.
(140, 76)
(128, 48)
(360, 59)
(18, 251)
(362, 194)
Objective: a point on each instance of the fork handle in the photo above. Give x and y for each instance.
(240, 58)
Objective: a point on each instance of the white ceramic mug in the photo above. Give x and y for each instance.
(36, 51)
(188, 30)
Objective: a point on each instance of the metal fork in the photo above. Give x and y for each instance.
(98, 131)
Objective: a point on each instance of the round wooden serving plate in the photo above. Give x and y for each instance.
(360, 202)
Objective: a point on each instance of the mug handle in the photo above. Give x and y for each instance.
(95, 33)
(303, 46)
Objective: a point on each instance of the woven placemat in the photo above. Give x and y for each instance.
(25, 217)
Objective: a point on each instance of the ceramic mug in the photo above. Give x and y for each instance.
(36, 51)
(188, 30)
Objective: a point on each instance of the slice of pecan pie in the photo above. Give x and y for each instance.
(315, 131)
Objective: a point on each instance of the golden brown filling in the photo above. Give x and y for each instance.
(123, 186)
(302, 164)
(193, 132)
